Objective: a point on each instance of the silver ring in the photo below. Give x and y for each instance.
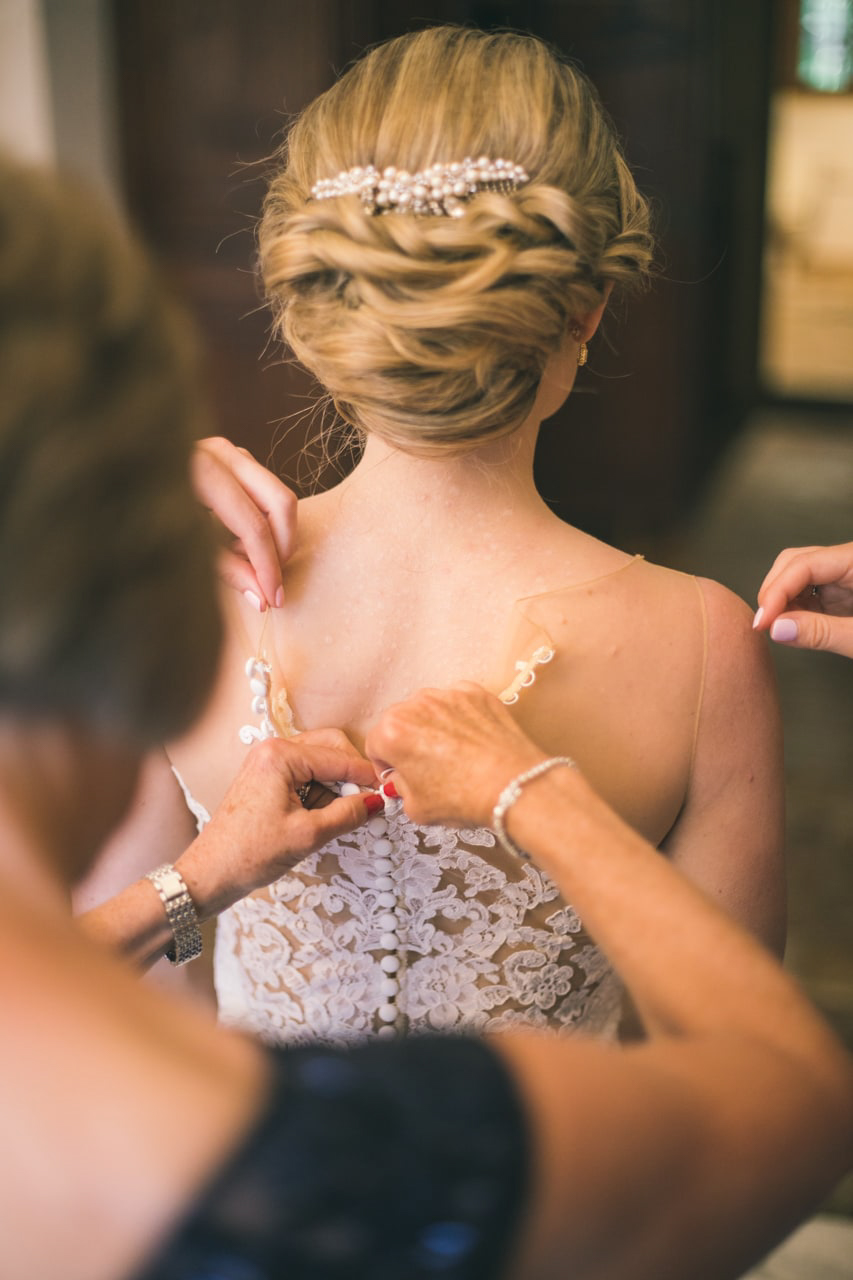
(815, 589)
(384, 774)
(303, 792)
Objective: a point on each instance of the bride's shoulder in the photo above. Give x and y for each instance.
(723, 613)
(652, 581)
(738, 666)
(659, 607)
(691, 614)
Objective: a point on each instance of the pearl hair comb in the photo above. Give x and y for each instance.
(440, 190)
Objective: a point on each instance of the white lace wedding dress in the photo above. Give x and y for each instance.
(482, 944)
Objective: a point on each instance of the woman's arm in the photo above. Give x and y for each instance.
(117, 907)
(260, 830)
(729, 836)
(685, 1146)
(676, 1153)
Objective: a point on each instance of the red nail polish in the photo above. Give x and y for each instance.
(390, 790)
(373, 802)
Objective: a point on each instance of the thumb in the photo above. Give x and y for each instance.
(344, 814)
(814, 631)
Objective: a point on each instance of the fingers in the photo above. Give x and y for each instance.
(273, 498)
(256, 508)
(340, 816)
(807, 630)
(806, 600)
(237, 572)
(799, 568)
(328, 754)
(273, 772)
(452, 726)
(412, 732)
(301, 831)
(789, 576)
(262, 828)
(451, 752)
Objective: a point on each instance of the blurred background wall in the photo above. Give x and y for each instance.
(712, 425)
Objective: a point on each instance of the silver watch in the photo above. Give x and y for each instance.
(180, 912)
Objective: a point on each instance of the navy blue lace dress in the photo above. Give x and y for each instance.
(389, 1161)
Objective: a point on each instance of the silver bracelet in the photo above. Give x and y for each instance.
(512, 792)
(180, 912)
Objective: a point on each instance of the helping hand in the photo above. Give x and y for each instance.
(453, 751)
(256, 508)
(807, 599)
(261, 829)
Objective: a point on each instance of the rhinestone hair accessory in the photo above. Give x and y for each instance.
(441, 190)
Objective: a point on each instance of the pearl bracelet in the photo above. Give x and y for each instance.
(512, 792)
(180, 912)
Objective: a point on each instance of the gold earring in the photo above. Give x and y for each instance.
(583, 349)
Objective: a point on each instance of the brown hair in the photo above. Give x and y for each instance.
(107, 606)
(434, 331)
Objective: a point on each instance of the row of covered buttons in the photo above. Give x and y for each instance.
(388, 902)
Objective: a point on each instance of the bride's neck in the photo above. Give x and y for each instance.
(417, 501)
(446, 496)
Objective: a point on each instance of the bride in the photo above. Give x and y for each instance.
(438, 245)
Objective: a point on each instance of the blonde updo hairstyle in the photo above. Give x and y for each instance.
(431, 331)
(108, 609)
